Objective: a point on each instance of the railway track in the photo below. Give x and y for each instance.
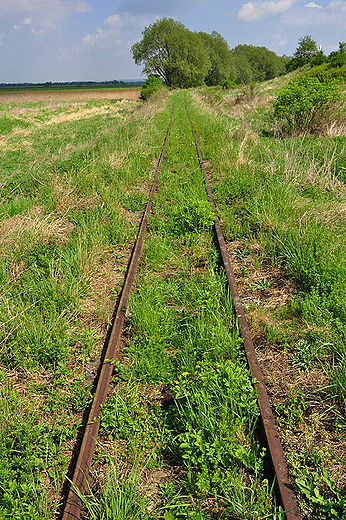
(79, 482)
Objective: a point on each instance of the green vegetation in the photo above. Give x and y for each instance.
(151, 85)
(305, 52)
(254, 64)
(282, 200)
(306, 105)
(177, 434)
(325, 68)
(183, 407)
(65, 183)
(183, 58)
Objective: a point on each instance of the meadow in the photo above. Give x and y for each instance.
(68, 222)
(177, 435)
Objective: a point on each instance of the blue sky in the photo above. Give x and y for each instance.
(66, 40)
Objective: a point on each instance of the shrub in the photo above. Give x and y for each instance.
(306, 104)
(151, 85)
(228, 83)
(325, 72)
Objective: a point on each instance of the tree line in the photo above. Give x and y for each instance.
(308, 52)
(184, 58)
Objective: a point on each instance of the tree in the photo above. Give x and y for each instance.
(183, 58)
(242, 67)
(172, 52)
(306, 50)
(222, 65)
(256, 63)
(338, 58)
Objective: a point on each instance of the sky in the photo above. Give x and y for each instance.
(71, 40)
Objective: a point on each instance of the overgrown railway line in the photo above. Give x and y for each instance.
(285, 492)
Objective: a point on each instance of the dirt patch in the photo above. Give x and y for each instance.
(257, 281)
(31, 96)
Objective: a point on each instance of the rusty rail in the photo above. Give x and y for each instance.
(79, 480)
(286, 492)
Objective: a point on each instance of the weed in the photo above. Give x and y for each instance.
(325, 500)
(292, 409)
(119, 497)
(307, 354)
(190, 216)
(242, 271)
(242, 253)
(260, 285)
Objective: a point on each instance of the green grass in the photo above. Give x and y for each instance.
(183, 411)
(286, 196)
(63, 215)
(183, 340)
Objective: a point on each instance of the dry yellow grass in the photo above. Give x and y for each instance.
(30, 96)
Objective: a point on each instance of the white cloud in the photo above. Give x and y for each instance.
(279, 39)
(91, 39)
(39, 32)
(27, 20)
(253, 11)
(312, 5)
(117, 29)
(114, 19)
(47, 11)
(126, 20)
(16, 27)
(333, 15)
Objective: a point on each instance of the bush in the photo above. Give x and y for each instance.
(325, 72)
(306, 104)
(228, 83)
(151, 85)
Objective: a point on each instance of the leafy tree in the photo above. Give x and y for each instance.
(221, 61)
(338, 58)
(242, 68)
(306, 50)
(318, 59)
(172, 52)
(182, 58)
(256, 63)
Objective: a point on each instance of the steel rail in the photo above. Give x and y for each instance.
(286, 492)
(73, 504)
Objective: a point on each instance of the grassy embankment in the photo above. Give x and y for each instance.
(182, 413)
(74, 181)
(282, 203)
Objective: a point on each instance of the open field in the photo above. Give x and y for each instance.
(69, 202)
(51, 95)
(179, 430)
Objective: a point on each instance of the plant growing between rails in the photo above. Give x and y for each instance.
(185, 400)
